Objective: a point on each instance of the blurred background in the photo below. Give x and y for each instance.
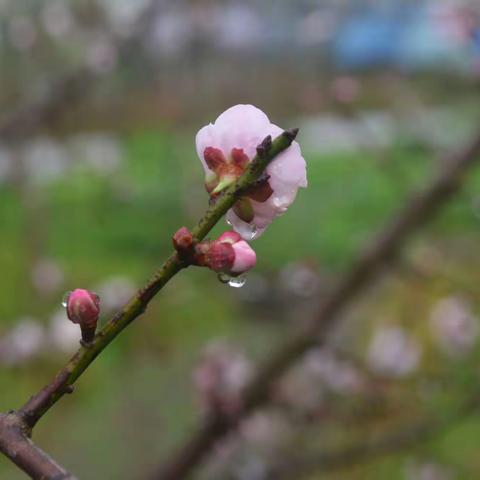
(91, 193)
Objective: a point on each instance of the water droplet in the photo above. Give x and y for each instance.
(228, 222)
(237, 282)
(224, 278)
(247, 230)
(65, 298)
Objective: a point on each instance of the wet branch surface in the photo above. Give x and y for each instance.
(383, 250)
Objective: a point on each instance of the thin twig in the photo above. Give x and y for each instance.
(39, 404)
(421, 208)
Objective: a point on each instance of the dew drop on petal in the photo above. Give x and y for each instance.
(228, 222)
(247, 230)
(237, 282)
(65, 298)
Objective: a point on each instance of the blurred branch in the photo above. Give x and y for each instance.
(369, 449)
(420, 209)
(39, 404)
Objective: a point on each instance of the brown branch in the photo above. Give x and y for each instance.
(421, 208)
(14, 439)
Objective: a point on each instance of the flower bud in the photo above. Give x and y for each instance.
(228, 254)
(183, 242)
(83, 307)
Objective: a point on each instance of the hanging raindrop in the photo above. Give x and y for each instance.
(65, 298)
(237, 282)
(224, 278)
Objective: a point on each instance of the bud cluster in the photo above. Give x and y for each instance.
(228, 254)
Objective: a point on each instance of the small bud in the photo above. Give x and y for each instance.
(83, 307)
(228, 254)
(183, 242)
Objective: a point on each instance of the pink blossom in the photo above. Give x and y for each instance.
(227, 146)
(228, 254)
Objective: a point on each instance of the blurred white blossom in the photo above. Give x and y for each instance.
(220, 375)
(47, 276)
(114, 292)
(338, 375)
(320, 371)
(57, 18)
(427, 471)
(240, 27)
(393, 352)
(454, 326)
(63, 334)
(101, 152)
(102, 54)
(6, 165)
(300, 278)
(22, 32)
(123, 14)
(23, 342)
(45, 160)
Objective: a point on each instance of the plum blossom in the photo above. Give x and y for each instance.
(225, 149)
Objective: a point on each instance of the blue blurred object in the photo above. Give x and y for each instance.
(368, 40)
(426, 44)
(410, 37)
